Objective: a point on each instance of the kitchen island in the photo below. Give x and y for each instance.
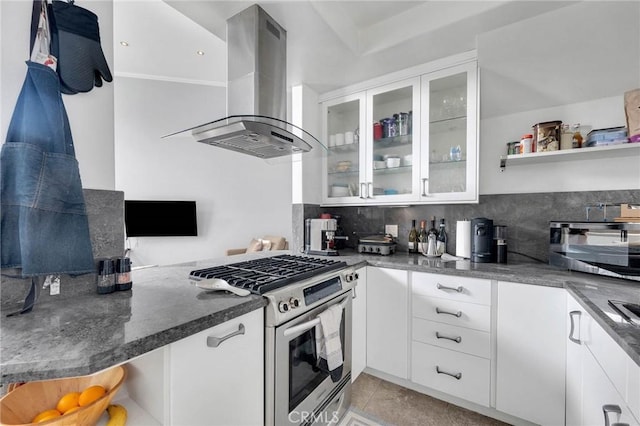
(89, 332)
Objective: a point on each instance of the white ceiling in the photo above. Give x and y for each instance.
(330, 43)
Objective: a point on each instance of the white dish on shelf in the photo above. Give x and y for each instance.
(379, 165)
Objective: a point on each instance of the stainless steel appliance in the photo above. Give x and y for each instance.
(604, 248)
(297, 390)
(377, 244)
(320, 237)
(481, 240)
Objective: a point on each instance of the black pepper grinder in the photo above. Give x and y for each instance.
(106, 278)
(123, 274)
(500, 238)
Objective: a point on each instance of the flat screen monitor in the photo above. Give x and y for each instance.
(160, 218)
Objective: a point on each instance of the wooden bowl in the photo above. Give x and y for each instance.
(22, 404)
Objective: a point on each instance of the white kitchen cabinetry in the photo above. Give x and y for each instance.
(531, 352)
(449, 158)
(387, 328)
(451, 335)
(602, 380)
(436, 151)
(221, 385)
(359, 326)
(358, 173)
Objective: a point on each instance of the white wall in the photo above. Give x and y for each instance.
(571, 65)
(307, 168)
(238, 197)
(90, 114)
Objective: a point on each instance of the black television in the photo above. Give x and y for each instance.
(144, 218)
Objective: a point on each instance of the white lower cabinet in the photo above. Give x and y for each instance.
(359, 326)
(221, 385)
(602, 380)
(387, 321)
(531, 352)
(462, 375)
(451, 335)
(601, 402)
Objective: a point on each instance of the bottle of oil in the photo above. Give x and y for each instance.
(441, 241)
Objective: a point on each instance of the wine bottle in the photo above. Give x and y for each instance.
(413, 238)
(432, 237)
(422, 237)
(442, 239)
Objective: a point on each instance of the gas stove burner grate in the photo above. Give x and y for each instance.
(266, 274)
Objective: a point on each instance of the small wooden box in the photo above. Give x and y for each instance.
(628, 210)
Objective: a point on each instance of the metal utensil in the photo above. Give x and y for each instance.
(220, 284)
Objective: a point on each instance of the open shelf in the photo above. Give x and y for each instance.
(608, 151)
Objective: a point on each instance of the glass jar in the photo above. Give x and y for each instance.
(577, 136)
(566, 137)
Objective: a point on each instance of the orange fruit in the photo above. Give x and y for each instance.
(90, 394)
(46, 415)
(72, 409)
(68, 401)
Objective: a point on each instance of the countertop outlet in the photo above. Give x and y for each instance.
(392, 230)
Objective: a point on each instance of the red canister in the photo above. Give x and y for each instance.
(377, 131)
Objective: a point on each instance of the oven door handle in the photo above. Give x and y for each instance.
(311, 323)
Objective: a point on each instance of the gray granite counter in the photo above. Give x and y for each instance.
(69, 336)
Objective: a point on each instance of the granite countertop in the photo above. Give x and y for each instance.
(65, 337)
(89, 332)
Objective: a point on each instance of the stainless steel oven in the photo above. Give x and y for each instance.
(304, 393)
(298, 390)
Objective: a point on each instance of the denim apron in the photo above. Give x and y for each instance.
(45, 229)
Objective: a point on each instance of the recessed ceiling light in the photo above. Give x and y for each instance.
(124, 43)
(200, 52)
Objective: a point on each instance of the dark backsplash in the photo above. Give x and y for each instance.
(527, 217)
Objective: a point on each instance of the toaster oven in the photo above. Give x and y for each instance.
(604, 248)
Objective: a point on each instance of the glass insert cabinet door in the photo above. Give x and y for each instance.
(392, 144)
(449, 159)
(343, 167)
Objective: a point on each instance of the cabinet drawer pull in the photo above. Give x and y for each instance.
(459, 289)
(573, 326)
(455, 314)
(455, 339)
(610, 408)
(456, 376)
(214, 342)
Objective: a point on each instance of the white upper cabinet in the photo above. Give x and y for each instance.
(405, 138)
(449, 158)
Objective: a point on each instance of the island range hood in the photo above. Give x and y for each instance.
(256, 93)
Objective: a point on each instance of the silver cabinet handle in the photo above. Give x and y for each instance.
(214, 342)
(610, 408)
(455, 339)
(456, 376)
(455, 314)
(370, 190)
(459, 289)
(424, 187)
(573, 326)
(363, 187)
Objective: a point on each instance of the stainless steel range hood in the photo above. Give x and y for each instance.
(256, 93)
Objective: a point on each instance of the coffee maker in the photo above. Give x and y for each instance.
(319, 236)
(481, 240)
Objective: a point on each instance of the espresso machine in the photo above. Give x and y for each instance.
(320, 237)
(481, 240)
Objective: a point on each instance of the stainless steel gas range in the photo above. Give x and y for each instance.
(298, 388)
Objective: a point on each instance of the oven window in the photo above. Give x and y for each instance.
(304, 374)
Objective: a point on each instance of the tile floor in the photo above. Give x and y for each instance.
(396, 405)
